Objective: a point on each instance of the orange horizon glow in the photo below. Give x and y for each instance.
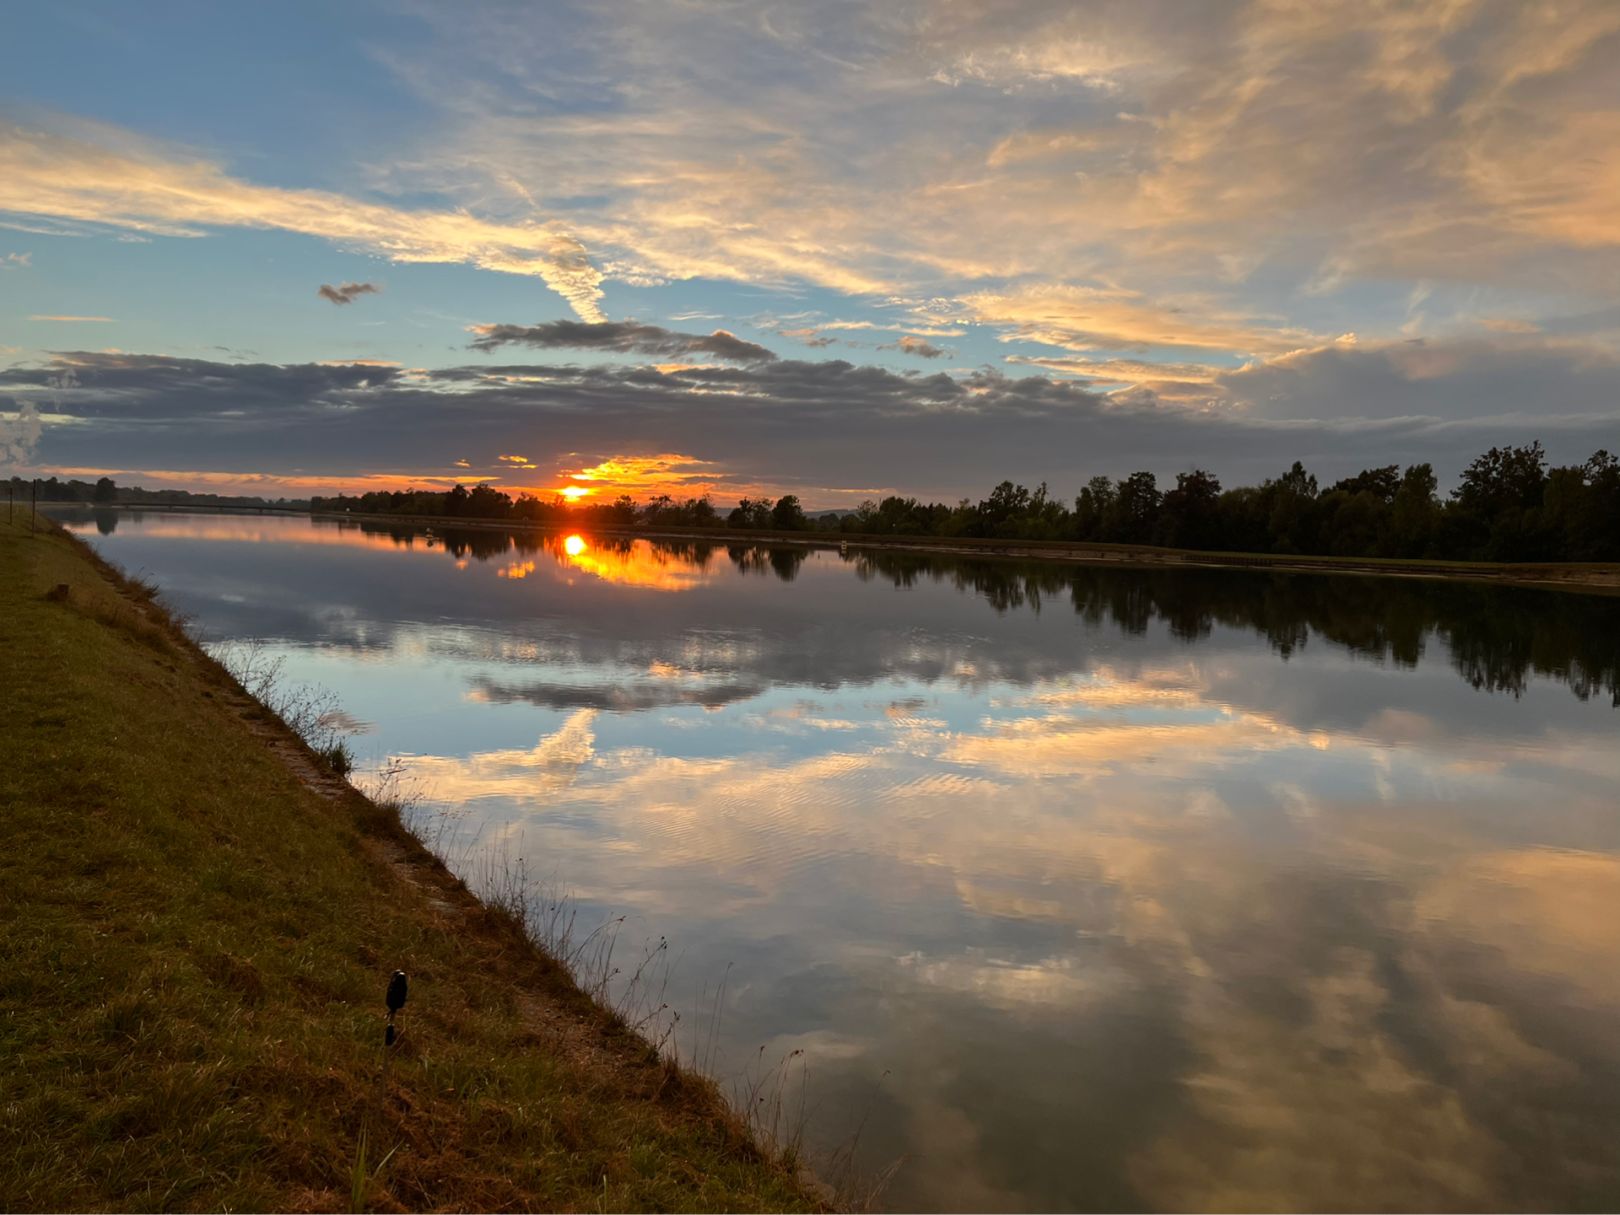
(641, 477)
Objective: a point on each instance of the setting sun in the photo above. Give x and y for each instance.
(574, 492)
(574, 545)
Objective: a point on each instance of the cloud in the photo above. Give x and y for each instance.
(616, 697)
(19, 435)
(808, 336)
(621, 337)
(820, 428)
(1522, 376)
(1188, 384)
(921, 347)
(1244, 180)
(1112, 318)
(15, 261)
(1193, 176)
(347, 293)
(104, 176)
(75, 320)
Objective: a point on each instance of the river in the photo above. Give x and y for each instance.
(1077, 888)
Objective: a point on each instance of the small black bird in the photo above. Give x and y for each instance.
(398, 990)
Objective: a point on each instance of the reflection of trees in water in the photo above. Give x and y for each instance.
(782, 560)
(479, 543)
(483, 544)
(1496, 636)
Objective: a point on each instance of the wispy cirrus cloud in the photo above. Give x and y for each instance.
(73, 320)
(961, 152)
(1111, 318)
(116, 180)
(1176, 382)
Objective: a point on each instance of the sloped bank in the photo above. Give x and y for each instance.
(199, 927)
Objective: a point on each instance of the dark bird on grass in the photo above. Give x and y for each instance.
(398, 990)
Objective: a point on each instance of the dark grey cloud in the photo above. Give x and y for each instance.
(800, 426)
(347, 293)
(1440, 378)
(145, 390)
(614, 698)
(622, 337)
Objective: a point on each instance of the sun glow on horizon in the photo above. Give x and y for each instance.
(575, 492)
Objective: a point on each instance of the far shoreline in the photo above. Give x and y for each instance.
(1585, 578)
(1556, 575)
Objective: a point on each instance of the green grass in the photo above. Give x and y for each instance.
(195, 948)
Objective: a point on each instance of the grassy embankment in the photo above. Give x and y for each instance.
(197, 936)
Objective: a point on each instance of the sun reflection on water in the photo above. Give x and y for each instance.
(635, 563)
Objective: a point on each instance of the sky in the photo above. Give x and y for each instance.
(839, 250)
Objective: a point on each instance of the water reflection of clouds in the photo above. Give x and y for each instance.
(1323, 978)
(520, 774)
(1427, 1077)
(614, 697)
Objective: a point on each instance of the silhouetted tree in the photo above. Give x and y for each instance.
(1134, 511)
(787, 515)
(753, 513)
(1189, 515)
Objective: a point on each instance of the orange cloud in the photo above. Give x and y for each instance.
(643, 477)
(1110, 318)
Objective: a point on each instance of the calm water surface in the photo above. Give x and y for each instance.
(1082, 888)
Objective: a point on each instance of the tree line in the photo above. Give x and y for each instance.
(1508, 506)
(104, 491)
(485, 502)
